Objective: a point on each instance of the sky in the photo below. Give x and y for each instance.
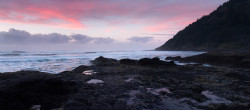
(96, 25)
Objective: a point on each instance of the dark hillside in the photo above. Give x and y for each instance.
(227, 28)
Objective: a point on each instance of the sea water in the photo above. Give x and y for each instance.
(56, 62)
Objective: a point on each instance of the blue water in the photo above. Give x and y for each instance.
(55, 62)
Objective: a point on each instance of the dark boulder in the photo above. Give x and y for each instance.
(151, 98)
(154, 62)
(147, 62)
(75, 105)
(128, 62)
(156, 59)
(101, 61)
(219, 106)
(244, 63)
(80, 69)
(173, 58)
(199, 97)
(22, 93)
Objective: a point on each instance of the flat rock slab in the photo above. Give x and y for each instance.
(94, 81)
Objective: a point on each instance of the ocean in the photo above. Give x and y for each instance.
(56, 62)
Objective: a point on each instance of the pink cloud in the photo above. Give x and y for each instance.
(49, 15)
(157, 27)
(181, 16)
(110, 29)
(75, 13)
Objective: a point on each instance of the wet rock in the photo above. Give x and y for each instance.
(220, 106)
(151, 98)
(177, 58)
(244, 63)
(156, 59)
(154, 62)
(163, 93)
(227, 58)
(190, 94)
(75, 105)
(35, 107)
(80, 69)
(120, 105)
(101, 61)
(100, 105)
(139, 95)
(197, 89)
(47, 92)
(239, 106)
(122, 96)
(199, 97)
(140, 106)
(109, 101)
(128, 62)
(171, 63)
(163, 81)
(146, 62)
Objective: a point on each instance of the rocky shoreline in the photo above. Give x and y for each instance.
(127, 84)
(240, 59)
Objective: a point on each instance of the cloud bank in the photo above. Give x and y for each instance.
(25, 41)
(14, 36)
(140, 39)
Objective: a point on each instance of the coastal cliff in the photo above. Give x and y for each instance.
(226, 28)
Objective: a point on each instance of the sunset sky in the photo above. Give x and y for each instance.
(85, 25)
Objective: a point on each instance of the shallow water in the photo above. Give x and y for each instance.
(55, 62)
